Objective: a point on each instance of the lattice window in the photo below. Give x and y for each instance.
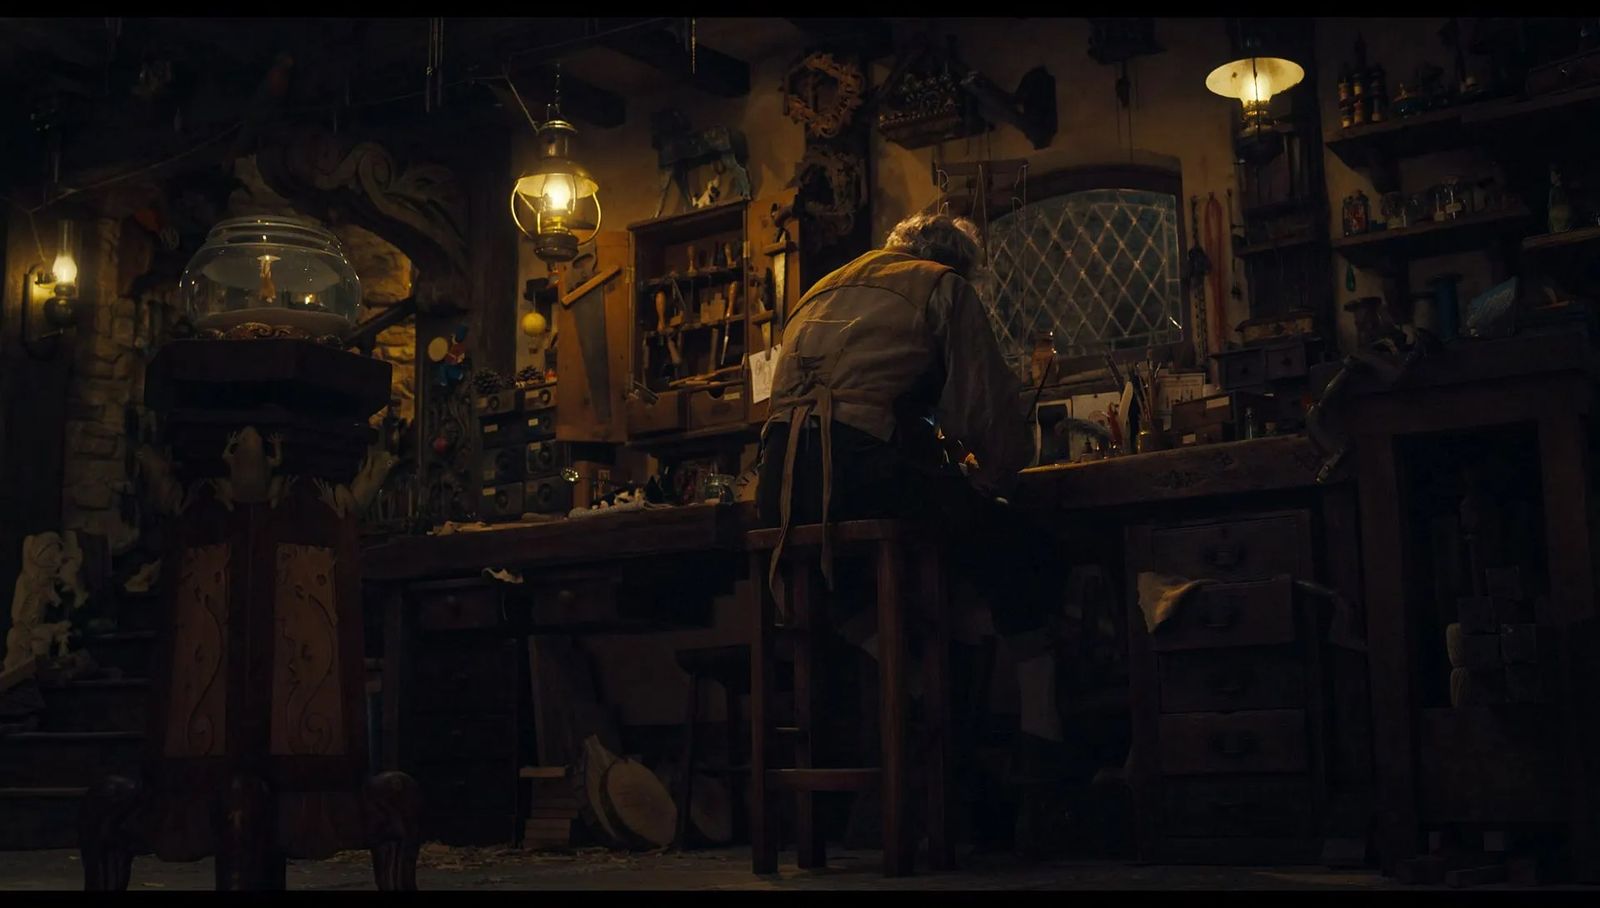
(1099, 267)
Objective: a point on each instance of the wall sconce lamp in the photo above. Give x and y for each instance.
(48, 297)
(553, 191)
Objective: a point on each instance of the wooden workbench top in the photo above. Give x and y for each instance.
(636, 534)
(1232, 468)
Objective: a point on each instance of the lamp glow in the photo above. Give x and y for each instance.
(64, 270)
(1254, 81)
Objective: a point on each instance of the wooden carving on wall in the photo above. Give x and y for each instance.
(197, 703)
(419, 207)
(832, 186)
(822, 94)
(306, 714)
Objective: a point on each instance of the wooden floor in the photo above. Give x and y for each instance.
(442, 868)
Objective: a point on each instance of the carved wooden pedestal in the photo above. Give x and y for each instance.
(257, 750)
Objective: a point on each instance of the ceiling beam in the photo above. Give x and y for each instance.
(709, 70)
(580, 101)
(872, 35)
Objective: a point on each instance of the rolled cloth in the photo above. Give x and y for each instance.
(1161, 594)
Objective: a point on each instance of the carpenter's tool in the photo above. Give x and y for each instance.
(588, 305)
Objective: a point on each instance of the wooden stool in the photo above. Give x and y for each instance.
(730, 667)
(893, 545)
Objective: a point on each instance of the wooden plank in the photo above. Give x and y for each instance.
(708, 70)
(663, 531)
(1233, 468)
(1384, 548)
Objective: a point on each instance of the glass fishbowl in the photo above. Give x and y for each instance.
(286, 273)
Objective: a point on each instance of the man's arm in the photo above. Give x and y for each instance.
(982, 399)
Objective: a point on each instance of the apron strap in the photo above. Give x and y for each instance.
(819, 403)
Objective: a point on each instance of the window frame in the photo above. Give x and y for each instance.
(1083, 178)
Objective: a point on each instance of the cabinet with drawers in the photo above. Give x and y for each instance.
(1231, 725)
(459, 712)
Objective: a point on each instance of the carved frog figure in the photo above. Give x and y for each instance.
(250, 479)
(354, 498)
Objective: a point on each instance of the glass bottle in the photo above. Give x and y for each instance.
(1560, 207)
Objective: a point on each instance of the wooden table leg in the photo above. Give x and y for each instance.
(810, 852)
(691, 715)
(897, 845)
(936, 706)
(763, 819)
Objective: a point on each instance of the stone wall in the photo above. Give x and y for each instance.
(108, 375)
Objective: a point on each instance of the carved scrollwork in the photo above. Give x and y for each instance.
(419, 207)
(260, 331)
(822, 94)
(832, 191)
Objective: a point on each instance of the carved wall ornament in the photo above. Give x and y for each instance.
(832, 191)
(822, 94)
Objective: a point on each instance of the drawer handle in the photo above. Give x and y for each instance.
(1224, 556)
(1238, 744)
(1232, 807)
(459, 678)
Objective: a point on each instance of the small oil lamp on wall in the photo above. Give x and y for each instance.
(553, 191)
(49, 298)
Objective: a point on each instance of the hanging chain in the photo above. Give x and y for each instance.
(694, 44)
(553, 110)
(433, 89)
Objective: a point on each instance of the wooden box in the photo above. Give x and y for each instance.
(717, 406)
(664, 415)
(547, 495)
(501, 502)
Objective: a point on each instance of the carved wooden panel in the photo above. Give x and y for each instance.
(307, 718)
(197, 698)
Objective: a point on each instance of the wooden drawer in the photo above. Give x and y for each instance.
(1230, 614)
(1232, 680)
(1247, 549)
(502, 502)
(1287, 361)
(456, 738)
(457, 606)
(573, 602)
(466, 679)
(547, 495)
(1248, 806)
(496, 404)
(665, 415)
(1242, 369)
(713, 407)
(1207, 743)
(542, 397)
(470, 784)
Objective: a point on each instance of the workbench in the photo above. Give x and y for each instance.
(455, 664)
(1249, 707)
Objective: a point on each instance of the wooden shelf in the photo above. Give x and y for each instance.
(1567, 240)
(1278, 245)
(709, 275)
(1504, 124)
(1432, 238)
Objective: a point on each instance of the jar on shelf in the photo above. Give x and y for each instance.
(271, 276)
(1357, 213)
(1451, 203)
(1392, 208)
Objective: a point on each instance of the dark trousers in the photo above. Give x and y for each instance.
(1006, 556)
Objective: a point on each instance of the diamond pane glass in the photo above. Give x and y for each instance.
(1099, 268)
